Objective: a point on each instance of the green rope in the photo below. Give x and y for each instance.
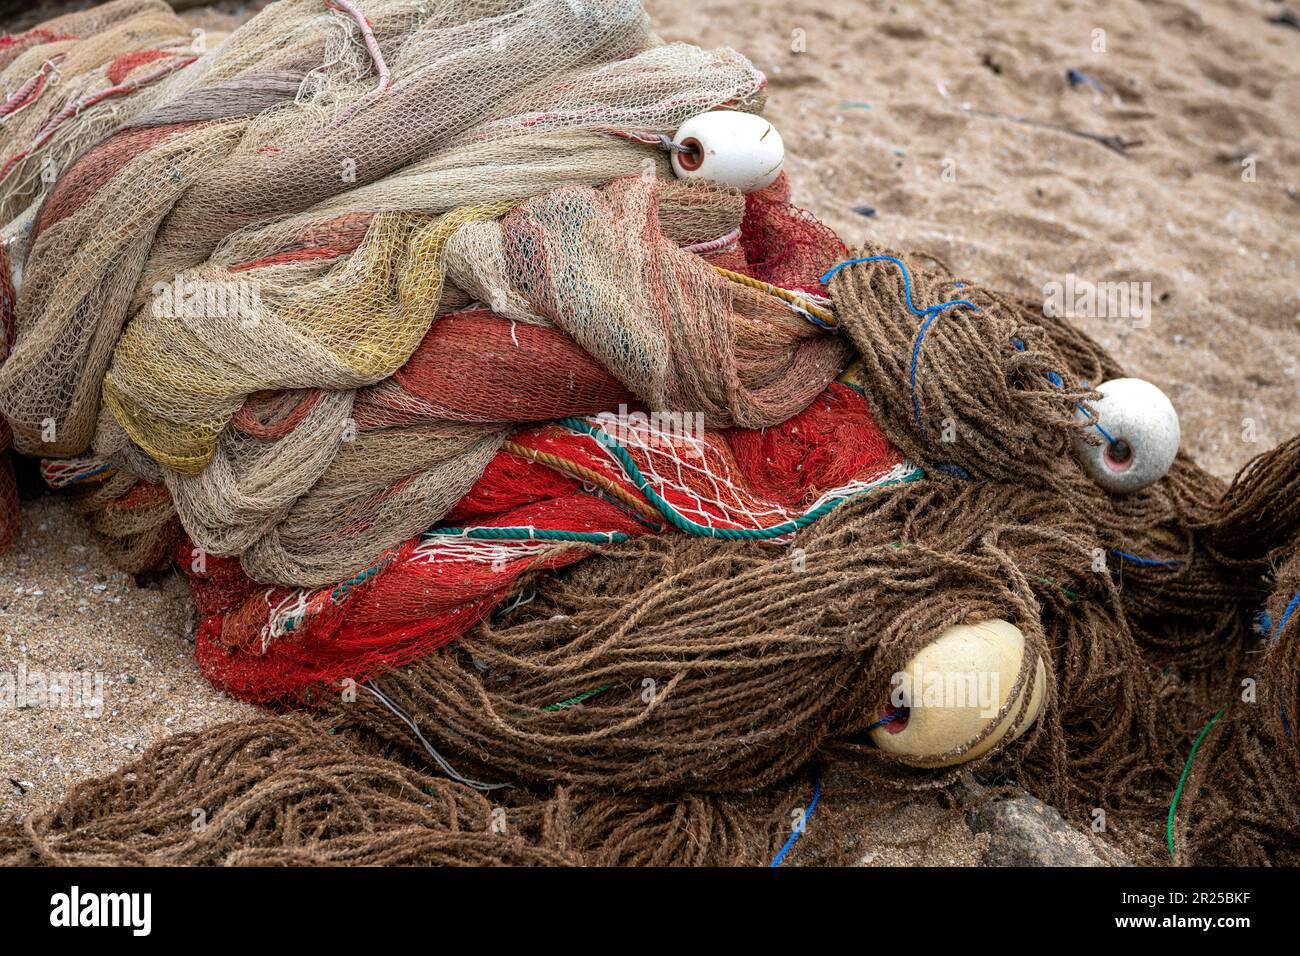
(1060, 587)
(1182, 781)
(684, 524)
(586, 695)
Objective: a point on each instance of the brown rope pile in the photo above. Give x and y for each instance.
(979, 405)
(728, 667)
(1260, 520)
(1251, 752)
(659, 703)
(276, 791)
(1282, 662)
(284, 792)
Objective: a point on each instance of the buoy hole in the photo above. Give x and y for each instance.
(1119, 455)
(690, 154)
(895, 718)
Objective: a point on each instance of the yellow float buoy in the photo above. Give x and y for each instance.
(953, 689)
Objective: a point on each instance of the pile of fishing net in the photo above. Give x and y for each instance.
(596, 504)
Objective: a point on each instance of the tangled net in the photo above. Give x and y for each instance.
(501, 451)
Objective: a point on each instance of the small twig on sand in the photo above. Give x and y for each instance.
(1114, 143)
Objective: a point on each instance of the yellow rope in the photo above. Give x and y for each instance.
(793, 298)
(575, 470)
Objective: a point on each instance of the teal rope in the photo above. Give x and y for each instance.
(530, 534)
(686, 525)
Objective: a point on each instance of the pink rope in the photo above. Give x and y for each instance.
(713, 245)
(376, 54)
(29, 91)
(77, 105)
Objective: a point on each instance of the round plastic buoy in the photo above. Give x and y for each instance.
(733, 149)
(954, 688)
(1140, 438)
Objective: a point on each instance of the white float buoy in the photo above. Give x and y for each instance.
(1139, 433)
(729, 148)
(953, 689)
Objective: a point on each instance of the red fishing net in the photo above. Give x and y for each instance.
(555, 495)
(608, 471)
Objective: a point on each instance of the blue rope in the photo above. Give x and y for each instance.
(1148, 562)
(916, 356)
(812, 805)
(1271, 633)
(930, 315)
(1286, 616)
(862, 738)
(907, 283)
(686, 525)
(1277, 632)
(91, 474)
(1056, 380)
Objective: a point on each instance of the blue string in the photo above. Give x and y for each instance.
(1263, 624)
(930, 315)
(91, 474)
(907, 283)
(863, 739)
(1286, 616)
(916, 398)
(812, 805)
(1277, 632)
(1149, 562)
(1055, 379)
(889, 719)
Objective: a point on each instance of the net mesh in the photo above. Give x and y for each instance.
(283, 214)
(554, 495)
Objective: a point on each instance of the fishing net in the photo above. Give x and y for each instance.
(554, 495)
(616, 498)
